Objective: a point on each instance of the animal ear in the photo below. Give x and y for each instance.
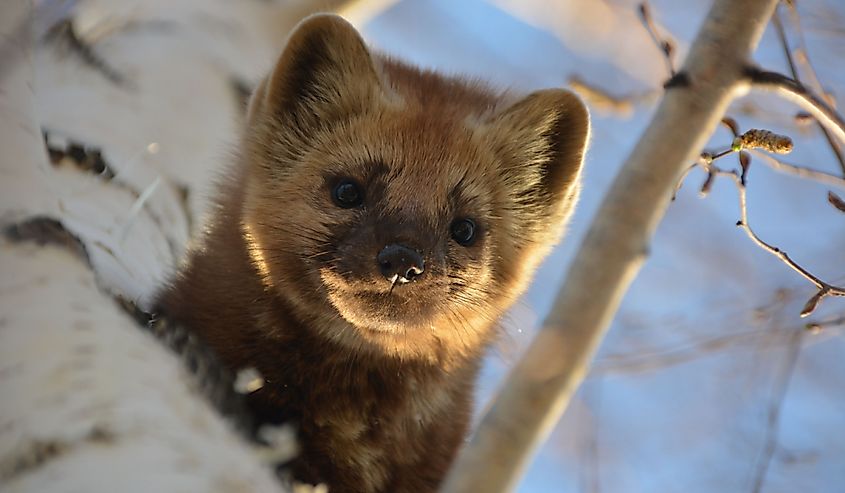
(324, 73)
(543, 138)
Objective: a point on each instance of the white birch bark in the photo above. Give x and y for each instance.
(88, 400)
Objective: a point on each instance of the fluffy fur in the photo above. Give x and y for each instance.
(378, 377)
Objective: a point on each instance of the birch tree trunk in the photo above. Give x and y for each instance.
(538, 389)
(88, 400)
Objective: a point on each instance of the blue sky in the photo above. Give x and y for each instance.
(681, 394)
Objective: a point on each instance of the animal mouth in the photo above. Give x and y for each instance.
(382, 311)
(397, 279)
(393, 304)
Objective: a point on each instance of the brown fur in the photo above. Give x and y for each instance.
(378, 378)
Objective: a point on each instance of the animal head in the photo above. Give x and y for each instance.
(401, 210)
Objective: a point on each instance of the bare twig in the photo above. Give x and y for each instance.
(683, 178)
(796, 92)
(601, 99)
(801, 171)
(779, 391)
(647, 361)
(731, 125)
(817, 327)
(803, 52)
(784, 43)
(771, 143)
(836, 201)
(824, 289)
(781, 32)
(666, 46)
(538, 389)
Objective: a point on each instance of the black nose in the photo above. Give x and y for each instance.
(397, 260)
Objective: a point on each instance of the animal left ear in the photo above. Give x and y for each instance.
(543, 138)
(325, 73)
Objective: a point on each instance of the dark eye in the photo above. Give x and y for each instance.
(463, 231)
(347, 194)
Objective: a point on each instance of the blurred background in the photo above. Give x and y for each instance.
(708, 381)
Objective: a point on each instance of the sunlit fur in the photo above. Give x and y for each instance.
(378, 377)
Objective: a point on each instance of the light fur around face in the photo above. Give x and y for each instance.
(426, 151)
(457, 188)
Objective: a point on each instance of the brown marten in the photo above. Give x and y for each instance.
(378, 222)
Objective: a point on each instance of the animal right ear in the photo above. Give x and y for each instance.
(324, 73)
(543, 137)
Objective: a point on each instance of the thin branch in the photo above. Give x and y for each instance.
(739, 144)
(803, 52)
(801, 171)
(817, 327)
(781, 32)
(658, 358)
(784, 44)
(682, 179)
(538, 389)
(666, 46)
(796, 92)
(644, 361)
(836, 201)
(599, 98)
(731, 125)
(824, 289)
(779, 392)
(827, 178)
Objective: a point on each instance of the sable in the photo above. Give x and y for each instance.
(378, 222)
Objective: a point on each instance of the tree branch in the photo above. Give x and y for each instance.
(796, 92)
(800, 171)
(752, 140)
(824, 289)
(803, 53)
(836, 201)
(817, 327)
(664, 44)
(781, 32)
(600, 99)
(539, 388)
